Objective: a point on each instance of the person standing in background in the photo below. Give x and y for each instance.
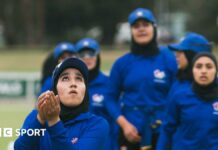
(145, 63)
(89, 51)
(185, 50)
(191, 122)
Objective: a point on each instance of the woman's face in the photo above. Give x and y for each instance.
(71, 87)
(89, 57)
(204, 71)
(181, 60)
(64, 56)
(142, 32)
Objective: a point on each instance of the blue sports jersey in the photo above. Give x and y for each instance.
(86, 131)
(138, 83)
(97, 91)
(47, 85)
(190, 123)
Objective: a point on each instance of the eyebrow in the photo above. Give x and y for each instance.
(67, 73)
(79, 74)
(63, 74)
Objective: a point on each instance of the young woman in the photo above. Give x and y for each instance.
(192, 117)
(64, 114)
(191, 45)
(145, 64)
(62, 51)
(89, 51)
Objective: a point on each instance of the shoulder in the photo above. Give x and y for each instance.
(98, 125)
(97, 121)
(169, 58)
(101, 79)
(103, 76)
(166, 52)
(182, 95)
(123, 59)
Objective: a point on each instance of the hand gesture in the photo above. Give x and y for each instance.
(52, 108)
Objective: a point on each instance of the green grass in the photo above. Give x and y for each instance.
(12, 115)
(31, 60)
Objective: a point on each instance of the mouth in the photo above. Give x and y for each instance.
(73, 92)
(142, 35)
(203, 78)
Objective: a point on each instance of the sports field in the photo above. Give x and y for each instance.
(13, 111)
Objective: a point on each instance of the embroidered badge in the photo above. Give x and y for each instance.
(74, 140)
(159, 76)
(97, 98)
(215, 108)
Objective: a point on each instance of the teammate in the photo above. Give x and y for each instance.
(192, 117)
(145, 64)
(48, 66)
(61, 51)
(89, 51)
(64, 114)
(191, 45)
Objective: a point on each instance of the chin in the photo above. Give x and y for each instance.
(204, 83)
(70, 103)
(143, 42)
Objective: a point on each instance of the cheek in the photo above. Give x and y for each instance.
(196, 74)
(60, 89)
(212, 74)
(92, 64)
(83, 90)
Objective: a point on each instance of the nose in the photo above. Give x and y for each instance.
(204, 70)
(73, 84)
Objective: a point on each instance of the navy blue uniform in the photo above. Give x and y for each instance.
(97, 91)
(191, 123)
(139, 82)
(86, 131)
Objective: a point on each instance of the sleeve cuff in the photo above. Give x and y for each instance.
(56, 129)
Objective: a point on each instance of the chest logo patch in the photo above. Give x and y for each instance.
(159, 74)
(98, 98)
(215, 107)
(74, 140)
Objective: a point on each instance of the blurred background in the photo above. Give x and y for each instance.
(30, 29)
(45, 22)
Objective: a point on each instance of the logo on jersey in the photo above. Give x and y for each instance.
(74, 140)
(98, 98)
(159, 76)
(215, 107)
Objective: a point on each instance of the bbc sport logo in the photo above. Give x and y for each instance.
(10, 132)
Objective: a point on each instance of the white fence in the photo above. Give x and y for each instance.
(14, 85)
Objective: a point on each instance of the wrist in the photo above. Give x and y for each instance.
(42, 122)
(121, 120)
(53, 121)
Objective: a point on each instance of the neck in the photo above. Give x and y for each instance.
(206, 92)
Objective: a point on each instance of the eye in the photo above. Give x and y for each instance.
(209, 66)
(79, 78)
(199, 66)
(65, 78)
(136, 25)
(146, 24)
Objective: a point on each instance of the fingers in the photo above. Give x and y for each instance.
(134, 137)
(131, 133)
(51, 108)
